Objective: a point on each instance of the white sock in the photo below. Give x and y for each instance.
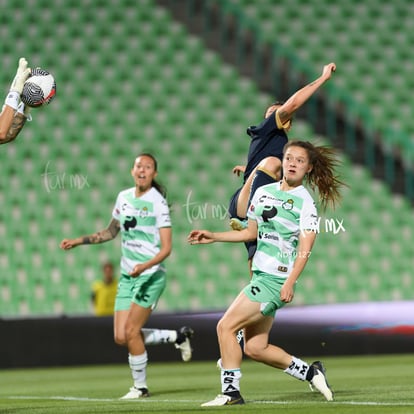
(297, 369)
(138, 365)
(158, 336)
(230, 380)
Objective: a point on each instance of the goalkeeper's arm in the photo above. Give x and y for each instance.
(13, 115)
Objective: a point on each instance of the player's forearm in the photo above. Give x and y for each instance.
(6, 119)
(98, 237)
(302, 95)
(16, 126)
(234, 236)
(298, 266)
(306, 242)
(101, 236)
(159, 257)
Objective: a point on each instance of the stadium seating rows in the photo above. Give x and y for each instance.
(370, 42)
(131, 79)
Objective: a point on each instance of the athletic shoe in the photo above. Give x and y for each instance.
(222, 399)
(135, 393)
(237, 224)
(183, 342)
(319, 382)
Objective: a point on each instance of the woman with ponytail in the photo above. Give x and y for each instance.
(282, 218)
(141, 215)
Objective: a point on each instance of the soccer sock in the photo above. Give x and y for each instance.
(138, 365)
(158, 336)
(230, 381)
(298, 369)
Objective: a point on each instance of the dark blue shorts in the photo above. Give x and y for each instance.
(250, 246)
(233, 205)
(261, 178)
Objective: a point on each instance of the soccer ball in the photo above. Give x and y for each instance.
(39, 89)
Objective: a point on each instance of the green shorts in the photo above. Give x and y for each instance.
(143, 290)
(265, 289)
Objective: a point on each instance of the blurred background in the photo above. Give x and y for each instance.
(183, 80)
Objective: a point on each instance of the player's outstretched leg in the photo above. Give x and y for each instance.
(183, 342)
(317, 380)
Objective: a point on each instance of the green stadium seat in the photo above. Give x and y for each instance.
(147, 84)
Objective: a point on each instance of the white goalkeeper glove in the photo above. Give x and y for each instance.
(16, 88)
(23, 72)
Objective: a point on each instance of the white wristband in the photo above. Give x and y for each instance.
(12, 99)
(21, 109)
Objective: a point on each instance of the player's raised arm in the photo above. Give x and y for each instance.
(11, 122)
(18, 121)
(286, 111)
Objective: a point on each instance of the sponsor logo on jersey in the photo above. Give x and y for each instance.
(268, 236)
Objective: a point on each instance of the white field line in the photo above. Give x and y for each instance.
(156, 400)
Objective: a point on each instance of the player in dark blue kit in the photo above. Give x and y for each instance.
(264, 164)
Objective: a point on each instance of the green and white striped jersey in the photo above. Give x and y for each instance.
(281, 216)
(140, 220)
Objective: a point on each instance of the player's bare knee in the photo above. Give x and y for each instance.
(131, 332)
(120, 339)
(271, 164)
(223, 328)
(220, 328)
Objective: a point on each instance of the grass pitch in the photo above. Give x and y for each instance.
(364, 384)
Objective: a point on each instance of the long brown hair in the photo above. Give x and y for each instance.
(324, 161)
(155, 183)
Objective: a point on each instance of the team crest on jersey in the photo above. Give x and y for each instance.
(129, 210)
(288, 204)
(143, 212)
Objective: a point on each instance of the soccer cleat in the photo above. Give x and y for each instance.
(183, 342)
(319, 382)
(135, 393)
(223, 399)
(237, 224)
